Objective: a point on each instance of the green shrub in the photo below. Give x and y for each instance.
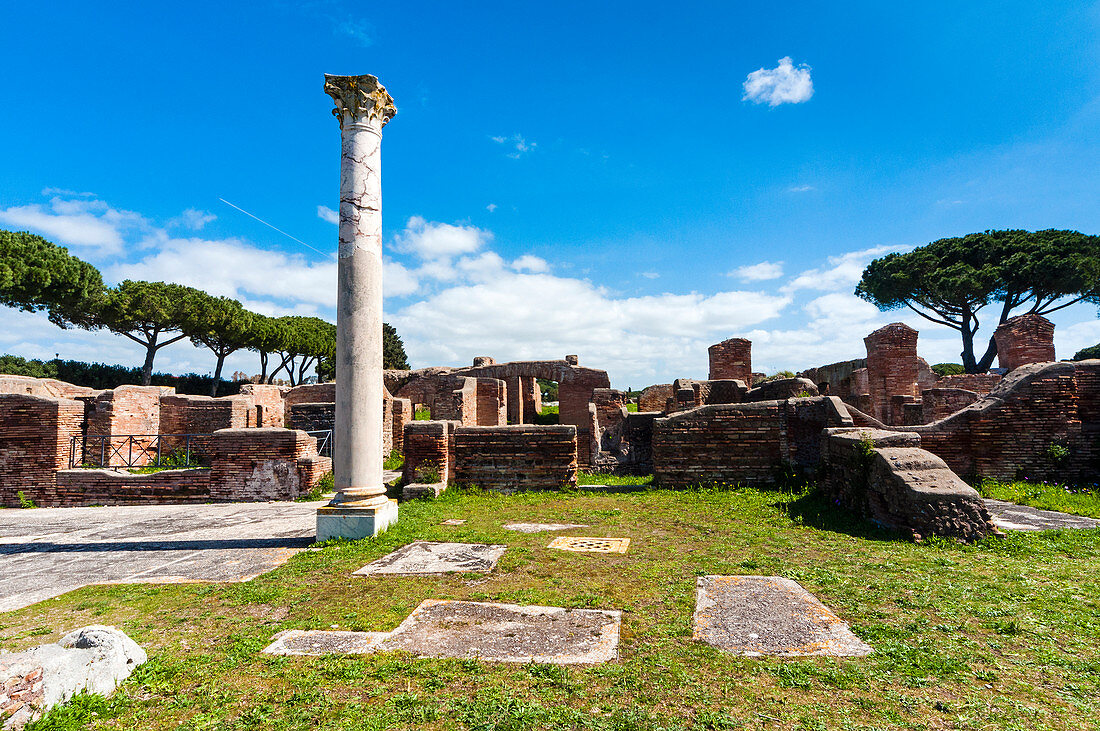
(24, 501)
(395, 461)
(948, 369)
(1088, 353)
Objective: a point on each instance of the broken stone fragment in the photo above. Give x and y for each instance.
(94, 659)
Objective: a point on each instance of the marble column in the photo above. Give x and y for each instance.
(360, 507)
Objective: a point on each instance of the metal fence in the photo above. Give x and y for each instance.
(324, 441)
(135, 450)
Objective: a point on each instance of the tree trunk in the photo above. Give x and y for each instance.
(147, 369)
(263, 367)
(969, 366)
(987, 359)
(217, 374)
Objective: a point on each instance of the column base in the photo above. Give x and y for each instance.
(336, 521)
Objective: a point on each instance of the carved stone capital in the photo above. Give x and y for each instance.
(360, 98)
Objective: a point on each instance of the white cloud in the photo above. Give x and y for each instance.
(193, 219)
(800, 189)
(517, 145)
(785, 84)
(327, 214)
(530, 263)
(432, 240)
(76, 223)
(649, 275)
(66, 193)
(759, 272)
(491, 207)
(359, 31)
(840, 273)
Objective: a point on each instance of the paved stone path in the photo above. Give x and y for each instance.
(1009, 516)
(46, 552)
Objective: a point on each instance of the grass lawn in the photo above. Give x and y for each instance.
(1004, 634)
(1049, 496)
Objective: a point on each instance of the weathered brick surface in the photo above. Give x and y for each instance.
(126, 411)
(1024, 339)
(979, 383)
(402, 415)
(938, 403)
(835, 379)
(49, 387)
(314, 393)
(426, 451)
(513, 458)
(492, 402)
(892, 368)
(35, 442)
(885, 476)
(268, 403)
(264, 464)
(81, 487)
(780, 388)
(465, 403)
(202, 415)
(742, 443)
(731, 360)
(655, 398)
(312, 417)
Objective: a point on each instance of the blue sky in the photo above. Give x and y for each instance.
(559, 178)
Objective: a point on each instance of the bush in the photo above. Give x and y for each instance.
(104, 376)
(1088, 353)
(948, 369)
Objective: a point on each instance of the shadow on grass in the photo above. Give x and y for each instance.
(814, 509)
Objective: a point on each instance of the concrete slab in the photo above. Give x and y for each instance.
(487, 631)
(1009, 516)
(769, 615)
(541, 527)
(47, 552)
(428, 557)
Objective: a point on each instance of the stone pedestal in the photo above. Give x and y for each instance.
(360, 507)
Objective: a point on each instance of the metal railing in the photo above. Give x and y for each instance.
(133, 450)
(324, 441)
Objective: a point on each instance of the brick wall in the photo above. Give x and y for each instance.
(126, 410)
(426, 450)
(892, 368)
(79, 487)
(268, 403)
(35, 434)
(465, 403)
(314, 393)
(491, 402)
(49, 387)
(402, 415)
(201, 415)
(731, 359)
(838, 377)
(746, 443)
(655, 398)
(979, 383)
(513, 458)
(264, 464)
(1024, 339)
(938, 403)
(312, 417)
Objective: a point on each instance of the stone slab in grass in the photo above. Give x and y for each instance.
(541, 527)
(1009, 516)
(428, 557)
(769, 615)
(486, 631)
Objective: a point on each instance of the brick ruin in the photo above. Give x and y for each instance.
(1041, 420)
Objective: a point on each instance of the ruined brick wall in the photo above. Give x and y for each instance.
(313, 393)
(402, 415)
(655, 398)
(780, 388)
(1024, 339)
(49, 387)
(838, 377)
(513, 458)
(731, 359)
(312, 417)
(264, 464)
(892, 368)
(979, 383)
(268, 403)
(464, 408)
(201, 415)
(939, 403)
(610, 412)
(742, 443)
(426, 451)
(76, 488)
(35, 442)
(491, 402)
(1010, 430)
(126, 410)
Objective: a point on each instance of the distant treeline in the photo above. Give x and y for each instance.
(104, 376)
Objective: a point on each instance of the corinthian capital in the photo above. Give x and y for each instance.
(360, 98)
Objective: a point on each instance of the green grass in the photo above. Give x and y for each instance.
(422, 414)
(1049, 496)
(1003, 634)
(395, 461)
(601, 478)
